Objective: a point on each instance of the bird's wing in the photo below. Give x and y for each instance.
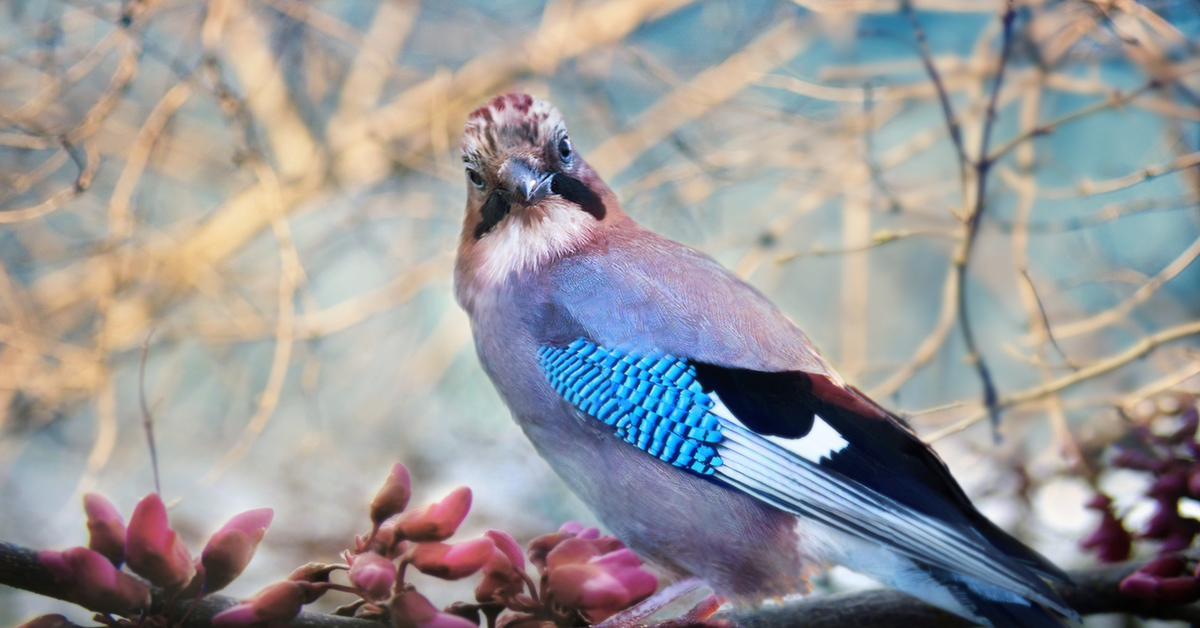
(661, 404)
(786, 428)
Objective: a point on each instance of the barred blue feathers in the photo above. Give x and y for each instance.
(654, 401)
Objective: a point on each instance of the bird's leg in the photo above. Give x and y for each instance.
(639, 613)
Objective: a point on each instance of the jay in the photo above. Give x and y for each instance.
(689, 413)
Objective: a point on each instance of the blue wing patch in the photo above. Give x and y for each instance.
(654, 401)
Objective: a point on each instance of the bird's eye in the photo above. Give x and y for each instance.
(564, 148)
(475, 177)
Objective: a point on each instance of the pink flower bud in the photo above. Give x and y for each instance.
(93, 582)
(1182, 590)
(412, 610)
(500, 579)
(278, 602)
(438, 521)
(540, 548)
(572, 528)
(1111, 541)
(106, 528)
(623, 557)
(571, 551)
(373, 574)
(1169, 486)
(452, 562)
(1165, 566)
(152, 548)
(596, 592)
(393, 496)
(1194, 481)
(590, 533)
(505, 543)
(231, 548)
(48, 621)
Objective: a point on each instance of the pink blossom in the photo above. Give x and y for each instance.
(571, 551)
(106, 528)
(412, 610)
(152, 548)
(1178, 590)
(452, 562)
(438, 521)
(393, 496)
(48, 621)
(231, 548)
(1111, 541)
(501, 580)
(505, 543)
(373, 574)
(93, 582)
(276, 603)
(599, 591)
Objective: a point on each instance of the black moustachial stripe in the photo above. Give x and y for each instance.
(494, 210)
(575, 191)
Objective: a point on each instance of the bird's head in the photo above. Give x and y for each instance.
(530, 196)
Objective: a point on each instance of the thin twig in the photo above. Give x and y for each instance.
(952, 121)
(147, 418)
(1095, 369)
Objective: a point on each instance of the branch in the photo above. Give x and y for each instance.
(1095, 369)
(982, 169)
(1095, 591)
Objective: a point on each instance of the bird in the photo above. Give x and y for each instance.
(690, 414)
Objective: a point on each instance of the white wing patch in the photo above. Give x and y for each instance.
(822, 441)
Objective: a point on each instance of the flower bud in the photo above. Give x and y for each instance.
(1169, 486)
(1180, 590)
(412, 610)
(278, 602)
(438, 521)
(452, 562)
(505, 543)
(599, 593)
(571, 551)
(623, 557)
(231, 548)
(393, 496)
(106, 528)
(373, 574)
(1165, 566)
(500, 579)
(540, 547)
(49, 621)
(152, 548)
(92, 581)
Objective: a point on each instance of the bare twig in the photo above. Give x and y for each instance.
(147, 418)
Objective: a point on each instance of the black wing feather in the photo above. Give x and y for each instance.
(884, 454)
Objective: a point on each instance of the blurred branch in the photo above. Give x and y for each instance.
(1138, 350)
(709, 88)
(1141, 295)
(1094, 591)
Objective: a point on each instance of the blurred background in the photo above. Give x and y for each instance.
(258, 201)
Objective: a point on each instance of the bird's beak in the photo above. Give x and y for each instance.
(524, 182)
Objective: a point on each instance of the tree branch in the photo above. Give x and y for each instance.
(1095, 591)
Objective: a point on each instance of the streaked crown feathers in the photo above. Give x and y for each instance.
(507, 121)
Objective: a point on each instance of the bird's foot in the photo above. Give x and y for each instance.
(683, 592)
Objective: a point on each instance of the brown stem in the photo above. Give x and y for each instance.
(1095, 591)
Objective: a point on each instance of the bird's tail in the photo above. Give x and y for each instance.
(985, 602)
